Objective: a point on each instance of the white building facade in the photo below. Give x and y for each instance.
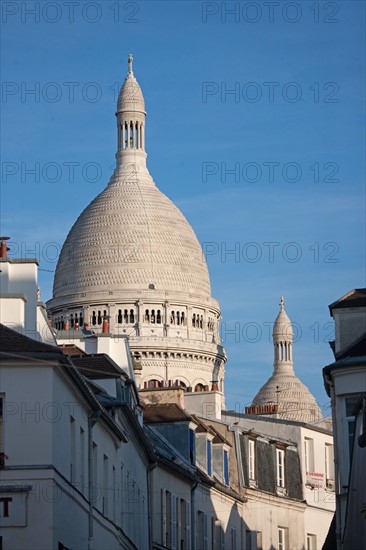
(345, 383)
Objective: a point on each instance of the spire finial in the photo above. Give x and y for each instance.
(282, 303)
(130, 59)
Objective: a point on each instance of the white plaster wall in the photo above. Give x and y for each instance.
(205, 404)
(163, 478)
(266, 513)
(226, 509)
(42, 440)
(21, 278)
(12, 312)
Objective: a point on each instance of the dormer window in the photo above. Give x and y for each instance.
(280, 468)
(203, 449)
(251, 462)
(221, 459)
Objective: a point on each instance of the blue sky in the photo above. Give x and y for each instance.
(292, 130)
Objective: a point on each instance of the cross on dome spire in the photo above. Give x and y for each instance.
(130, 59)
(282, 304)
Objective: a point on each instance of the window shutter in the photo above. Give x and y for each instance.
(188, 524)
(220, 537)
(179, 522)
(222, 531)
(174, 522)
(205, 532)
(163, 517)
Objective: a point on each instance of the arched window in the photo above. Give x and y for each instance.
(153, 383)
(153, 315)
(119, 317)
(172, 318)
(201, 321)
(181, 384)
(99, 317)
(94, 318)
(182, 319)
(137, 135)
(194, 320)
(71, 321)
(147, 316)
(178, 318)
(131, 134)
(126, 136)
(81, 319)
(158, 317)
(199, 387)
(132, 316)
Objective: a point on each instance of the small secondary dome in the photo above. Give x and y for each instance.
(284, 388)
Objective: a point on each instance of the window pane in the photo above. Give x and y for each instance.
(350, 404)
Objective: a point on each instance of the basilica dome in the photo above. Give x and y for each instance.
(284, 389)
(132, 266)
(131, 236)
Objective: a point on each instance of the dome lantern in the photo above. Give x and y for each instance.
(131, 116)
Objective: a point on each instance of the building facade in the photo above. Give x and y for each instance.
(345, 383)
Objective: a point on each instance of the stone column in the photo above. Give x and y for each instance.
(140, 314)
(189, 321)
(166, 319)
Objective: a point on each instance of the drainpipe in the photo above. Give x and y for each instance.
(193, 515)
(150, 468)
(92, 420)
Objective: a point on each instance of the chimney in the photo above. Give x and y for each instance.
(105, 326)
(3, 247)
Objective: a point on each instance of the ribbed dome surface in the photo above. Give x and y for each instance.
(295, 401)
(130, 237)
(282, 327)
(130, 97)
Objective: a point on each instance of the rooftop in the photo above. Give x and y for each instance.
(354, 298)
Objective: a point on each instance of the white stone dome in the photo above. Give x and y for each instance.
(132, 265)
(294, 399)
(131, 237)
